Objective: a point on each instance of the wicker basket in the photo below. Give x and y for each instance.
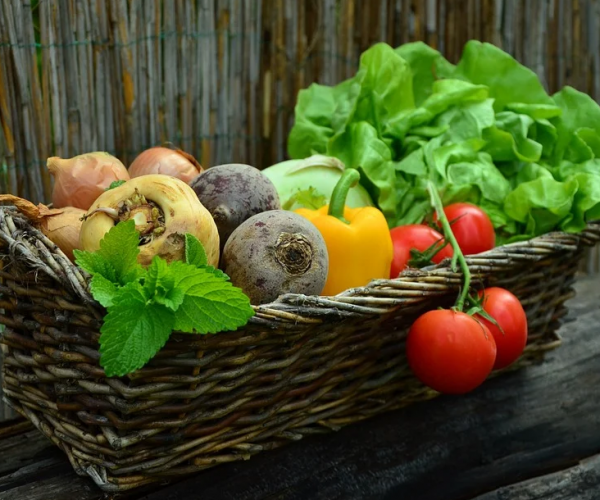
(303, 365)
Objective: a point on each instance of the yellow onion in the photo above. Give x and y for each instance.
(164, 210)
(166, 161)
(60, 225)
(78, 181)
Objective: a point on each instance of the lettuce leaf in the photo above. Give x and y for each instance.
(425, 64)
(542, 204)
(313, 118)
(360, 147)
(484, 130)
(579, 111)
(509, 82)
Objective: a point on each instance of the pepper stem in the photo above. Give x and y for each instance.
(436, 202)
(337, 203)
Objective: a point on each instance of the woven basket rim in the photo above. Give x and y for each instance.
(295, 308)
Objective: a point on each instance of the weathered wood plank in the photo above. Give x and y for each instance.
(50, 478)
(21, 450)
(581, 482)
(32, 467)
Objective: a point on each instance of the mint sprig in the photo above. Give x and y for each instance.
(115, 184)
(134, 330)
(145, 305)
(194, 251)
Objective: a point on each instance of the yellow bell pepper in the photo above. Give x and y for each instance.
(358, 239)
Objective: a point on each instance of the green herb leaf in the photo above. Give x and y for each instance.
(116, 259)
(95, 264)
(120, 247)
(159, 285)
(194, 251)
(134, 330)
(103, 290)
(145, 305)
(210, 303)
(115, 184)
(217, 272)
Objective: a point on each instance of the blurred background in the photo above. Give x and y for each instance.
(219, 78)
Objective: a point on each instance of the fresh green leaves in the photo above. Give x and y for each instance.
(194, 251)
(360, 147)
(484, 131)
(134, 330)
(145, 305)
(116, 259)
(210, 303)
(508, 81)
(541, 204)
(306, 198)
(115, 184)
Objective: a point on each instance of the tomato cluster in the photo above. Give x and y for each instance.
(472, 228)
(452, 351)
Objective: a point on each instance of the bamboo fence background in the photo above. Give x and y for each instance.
(219, 78)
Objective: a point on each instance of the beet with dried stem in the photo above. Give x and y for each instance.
(276, 252)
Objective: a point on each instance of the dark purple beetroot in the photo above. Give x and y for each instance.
(233, 193)
(276, 252)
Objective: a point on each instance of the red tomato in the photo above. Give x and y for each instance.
(419, 237)
(450, 351)
(471, 226)
(508, 312)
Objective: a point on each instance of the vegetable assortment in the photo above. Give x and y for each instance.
(412, 162)
(358, 239)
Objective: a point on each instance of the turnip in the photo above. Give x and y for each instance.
(232, 193)
(164, 209)
(276, 252)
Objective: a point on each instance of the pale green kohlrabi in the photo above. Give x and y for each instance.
(308, 183)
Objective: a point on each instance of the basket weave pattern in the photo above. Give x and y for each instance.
(303, 365)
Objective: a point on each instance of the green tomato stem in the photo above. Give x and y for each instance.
(337, 203)
(437, 204)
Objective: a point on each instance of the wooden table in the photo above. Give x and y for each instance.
(532, 434)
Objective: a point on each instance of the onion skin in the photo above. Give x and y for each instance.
(166, 161)
(61, 225)
(183, 213)
(78, 181)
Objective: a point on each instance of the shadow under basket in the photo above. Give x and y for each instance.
(303, 365)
